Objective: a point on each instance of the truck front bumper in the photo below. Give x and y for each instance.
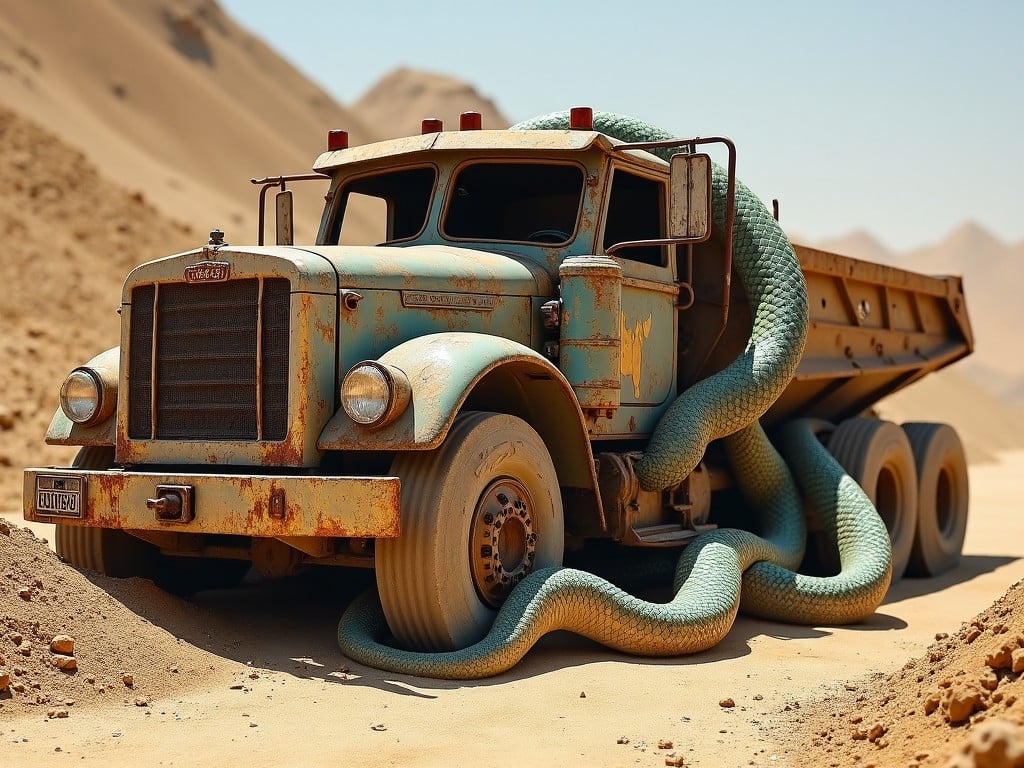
(244, 505)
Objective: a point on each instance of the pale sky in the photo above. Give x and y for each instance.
(901, 118)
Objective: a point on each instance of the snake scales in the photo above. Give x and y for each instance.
(721, 570)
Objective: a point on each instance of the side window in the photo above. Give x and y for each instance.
(383, 208)
(636, 211)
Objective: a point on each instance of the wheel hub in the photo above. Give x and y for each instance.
(502, 540)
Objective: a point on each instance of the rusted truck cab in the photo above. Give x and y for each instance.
(452, 402)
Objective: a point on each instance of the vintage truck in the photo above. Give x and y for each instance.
(461, 398)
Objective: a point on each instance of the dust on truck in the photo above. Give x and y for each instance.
(462, 399)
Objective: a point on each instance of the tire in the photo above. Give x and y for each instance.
(478, 514)
(878, 456)
(943, 498)
(112, 552)
(108, 551)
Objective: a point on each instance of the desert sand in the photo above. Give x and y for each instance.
(254, 673)
(104, 163)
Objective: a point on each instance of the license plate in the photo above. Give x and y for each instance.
(60, 495)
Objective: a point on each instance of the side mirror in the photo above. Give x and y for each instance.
(284, 206)
(689, 213)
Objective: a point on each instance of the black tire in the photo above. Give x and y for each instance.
(112, 552)
(878, 456)
(478, 514)
(108, 551)
(943, 498)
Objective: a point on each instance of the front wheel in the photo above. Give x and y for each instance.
(109, 551)
(478, 514)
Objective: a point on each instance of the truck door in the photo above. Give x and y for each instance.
(636, 210)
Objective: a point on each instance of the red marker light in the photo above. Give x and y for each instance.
(581, 119)
(470, 121)
(337, 139)
(431, 125)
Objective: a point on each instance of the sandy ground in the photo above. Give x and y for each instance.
(278, 691)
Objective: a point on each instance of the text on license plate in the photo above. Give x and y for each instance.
(59, 495)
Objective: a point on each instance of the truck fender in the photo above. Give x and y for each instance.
(63, 431)
(449, 371)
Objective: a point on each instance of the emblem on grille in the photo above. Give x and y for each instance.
(208, 272)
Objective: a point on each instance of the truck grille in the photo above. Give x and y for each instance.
(209, 361)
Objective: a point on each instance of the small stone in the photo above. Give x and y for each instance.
(141, 701)
(622, 740)
(128, 679)
(65, 663)
(63, 645)
(25, 593)
(1001, 658)
(877, 731)
(1017, 658)
(859, 735)
(664, 744)
(18, 687)
(25, 649)
(758, 697)
(252, 725)
(727, 703)
(15, 637)
(90, 679)
(973, 635)
(61, 713)
(378, 727)
(932, 703)
(676, 760)
(964, 701)
(5, 681)
(941, 635)
(5, 529)
(583, 694)
(856, 719)
(989, 681)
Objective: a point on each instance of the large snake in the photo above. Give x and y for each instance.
(720, 570)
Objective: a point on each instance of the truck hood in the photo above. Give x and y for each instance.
(325, 269)
(435, 267)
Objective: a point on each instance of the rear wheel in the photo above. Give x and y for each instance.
(943, 498)
(478, 514)
(878, 456)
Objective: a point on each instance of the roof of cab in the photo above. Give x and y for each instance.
(494, 141)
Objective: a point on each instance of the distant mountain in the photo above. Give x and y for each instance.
(170, 96)
(859, 244)
(397, 104)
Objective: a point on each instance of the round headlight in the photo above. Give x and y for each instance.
(374, 394)
(81, 395)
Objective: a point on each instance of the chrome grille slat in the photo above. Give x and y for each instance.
(209, 361)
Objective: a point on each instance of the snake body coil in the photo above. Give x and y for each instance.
(721, 570)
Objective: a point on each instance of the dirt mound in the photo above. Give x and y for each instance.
(960, 704)
(67, 645)
(70, 237)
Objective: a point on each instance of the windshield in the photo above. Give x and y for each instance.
(522, 202)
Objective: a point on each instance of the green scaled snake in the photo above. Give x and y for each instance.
(722, 570)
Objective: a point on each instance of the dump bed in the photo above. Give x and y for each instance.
(874, 329)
